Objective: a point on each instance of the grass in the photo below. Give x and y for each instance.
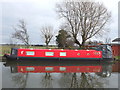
(7, 48)
(117, 57)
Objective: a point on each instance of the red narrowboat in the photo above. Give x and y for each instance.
(98, 53)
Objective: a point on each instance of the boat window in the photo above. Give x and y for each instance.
(14, 52)
(30, 53)
(49, 53)
(49, 68)
(62, 53)
(30, 69)
(62, 68)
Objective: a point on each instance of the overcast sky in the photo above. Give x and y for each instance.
(37, 13)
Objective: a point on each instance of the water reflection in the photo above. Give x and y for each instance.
(20, 79)
(59, 74)
(47, 81)
(81, 80)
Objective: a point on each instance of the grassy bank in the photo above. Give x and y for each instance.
(117, 57)
(7, 48)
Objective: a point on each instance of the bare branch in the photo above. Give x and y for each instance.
(85, 18)
(21, 32)
(47, 33)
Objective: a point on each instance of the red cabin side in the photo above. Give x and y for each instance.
(59, 53)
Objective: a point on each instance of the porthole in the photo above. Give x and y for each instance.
(78, 53)
(88, 53)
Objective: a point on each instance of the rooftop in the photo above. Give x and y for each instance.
(116, 40)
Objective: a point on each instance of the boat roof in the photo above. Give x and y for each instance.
(58, 49)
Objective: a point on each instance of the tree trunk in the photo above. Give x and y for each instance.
(46, 45)
(77, 42)
(83, 41)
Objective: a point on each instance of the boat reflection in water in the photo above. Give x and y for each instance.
(74, 74)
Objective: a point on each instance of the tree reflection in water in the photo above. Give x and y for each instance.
(47, 81)
(20, 79)
(86, 80)
(68, 80)
(106, 71)
(65, 80)
(90, 81)
(74, 82)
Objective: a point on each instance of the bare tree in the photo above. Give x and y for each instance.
(47, 34)
(84, 20)
(21, 32)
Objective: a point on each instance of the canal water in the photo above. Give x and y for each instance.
(58, 74)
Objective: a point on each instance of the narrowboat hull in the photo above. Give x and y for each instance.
(10, 57)
(60, 54)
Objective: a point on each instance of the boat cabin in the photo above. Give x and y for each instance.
(100, 52)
